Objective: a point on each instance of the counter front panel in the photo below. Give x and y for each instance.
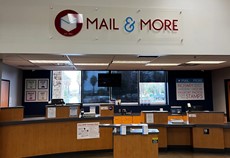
(30, 139)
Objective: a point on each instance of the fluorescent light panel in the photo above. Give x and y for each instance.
(205, 62)
(49, 61)
(129, 62)
(162, 64)
(91, 64)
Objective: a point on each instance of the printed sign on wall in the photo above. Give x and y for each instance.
(190, 89)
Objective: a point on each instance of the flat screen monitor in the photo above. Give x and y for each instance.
(176, 110)
(197, 108)
(73, 104)
(109, 80)
(57, 101)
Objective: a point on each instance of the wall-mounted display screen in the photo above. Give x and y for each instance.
(152, 93)
(109, 80)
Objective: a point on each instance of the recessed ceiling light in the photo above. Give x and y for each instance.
(91, 64)
(162, 64)
(205, 62)
(129, 62)
(49, 61)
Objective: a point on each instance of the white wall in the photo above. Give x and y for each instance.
(15, 77)
(218, 77)
(24, 28)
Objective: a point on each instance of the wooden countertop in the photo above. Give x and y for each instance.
(45, 120)
(132, 114)
(14, 107)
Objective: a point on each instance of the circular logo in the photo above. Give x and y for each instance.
(68, 22)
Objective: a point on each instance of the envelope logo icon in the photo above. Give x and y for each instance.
(69, 22)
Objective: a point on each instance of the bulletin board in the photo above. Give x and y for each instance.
(37, 90)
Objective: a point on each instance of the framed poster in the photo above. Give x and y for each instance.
(31, 84)
(42, 96)
(43, 84)
(30, 96)
(36, 90)
(190, 89)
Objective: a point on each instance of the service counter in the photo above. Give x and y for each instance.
(194, 136)
(136, 145)
(41, 136)
(134, 140)
(196, 130)
(11, 113)
(200, 131)
(227, 136)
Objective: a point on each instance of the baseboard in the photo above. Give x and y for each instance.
(209, 150)
(180, 147)
(71, 153)
(163, 149)
(227, 150)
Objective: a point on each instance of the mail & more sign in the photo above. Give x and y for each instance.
(109, 24)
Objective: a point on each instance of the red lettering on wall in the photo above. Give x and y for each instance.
(110, 24)
(114, 25)
(158, 24)
(155, 22)
(175, 25)
(167, 24)
(103, 24)
(91, 22)
(142, 22)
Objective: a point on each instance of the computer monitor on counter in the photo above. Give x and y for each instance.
(197, 108)
(176, 110)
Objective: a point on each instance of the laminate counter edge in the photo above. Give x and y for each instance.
(45, 120)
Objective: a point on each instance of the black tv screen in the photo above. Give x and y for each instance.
(109, 80)
(57, 101)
